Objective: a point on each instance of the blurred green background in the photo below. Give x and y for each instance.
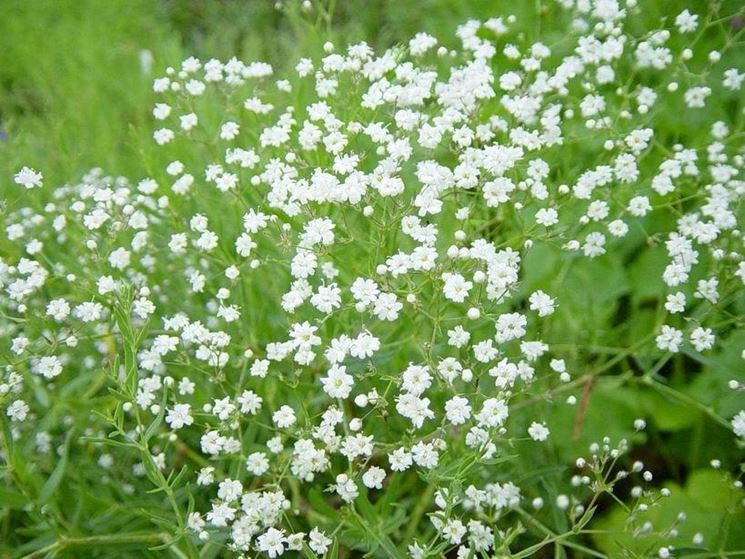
(73, 86)
(74, 89)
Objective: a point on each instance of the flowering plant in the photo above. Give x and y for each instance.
(387, 303)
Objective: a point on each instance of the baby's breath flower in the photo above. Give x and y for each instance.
(358, 288)
(28, 178)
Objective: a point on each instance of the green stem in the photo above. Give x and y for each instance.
(684, 398)
(104, 539)
(559, 539)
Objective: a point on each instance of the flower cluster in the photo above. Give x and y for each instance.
(324, 289)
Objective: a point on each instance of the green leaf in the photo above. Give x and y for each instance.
(51, 485)
(668, 414)
(705, 499)
(373, 529)
(12, 500)
(158, 419)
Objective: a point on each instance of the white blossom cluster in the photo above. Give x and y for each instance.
(318, 290)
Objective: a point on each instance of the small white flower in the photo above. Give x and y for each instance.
(284, 417)
(28, 178)
(669, 339)
(538, 431)
(179, 416)
(373, 477)
(17, 410)
(738, 424)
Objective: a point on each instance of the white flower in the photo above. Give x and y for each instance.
(686, 22)
(414, 408)
(425, 455)
(163, 136)
(88, 311)
(387, 307)
(594, 245)
(195, 87)
(702, 338)
(458, 337)
(675, 302)
(695, 97)
(229, 130)
(284, 417)
(106, 284)
(17, 410)
(186, 386)
(28, 178)
(250, 402)
(119, 258)
(738, 424)
(346, 488)
(547, 217)
(538, 431)
(143, 308)
(188, 121)
(257, 463)
(542, 303)
(327, 298)
(639, 206)
(337, 383)
(221, 514)
(733, 79)
(318, 541)
(49, 366)
(229, 490)
(59, 309)
(223, 408)
(510, 326)
(457, 410)
(365, 345)
(179, 416)
(272, 542)
(19, 345)
(456, 287)
(373, 477)
(494, 412)
(161, 111)
(484, 351)
(669, 339)
(421, 43)
(416, 379)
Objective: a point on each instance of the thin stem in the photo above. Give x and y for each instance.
(148, 538)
